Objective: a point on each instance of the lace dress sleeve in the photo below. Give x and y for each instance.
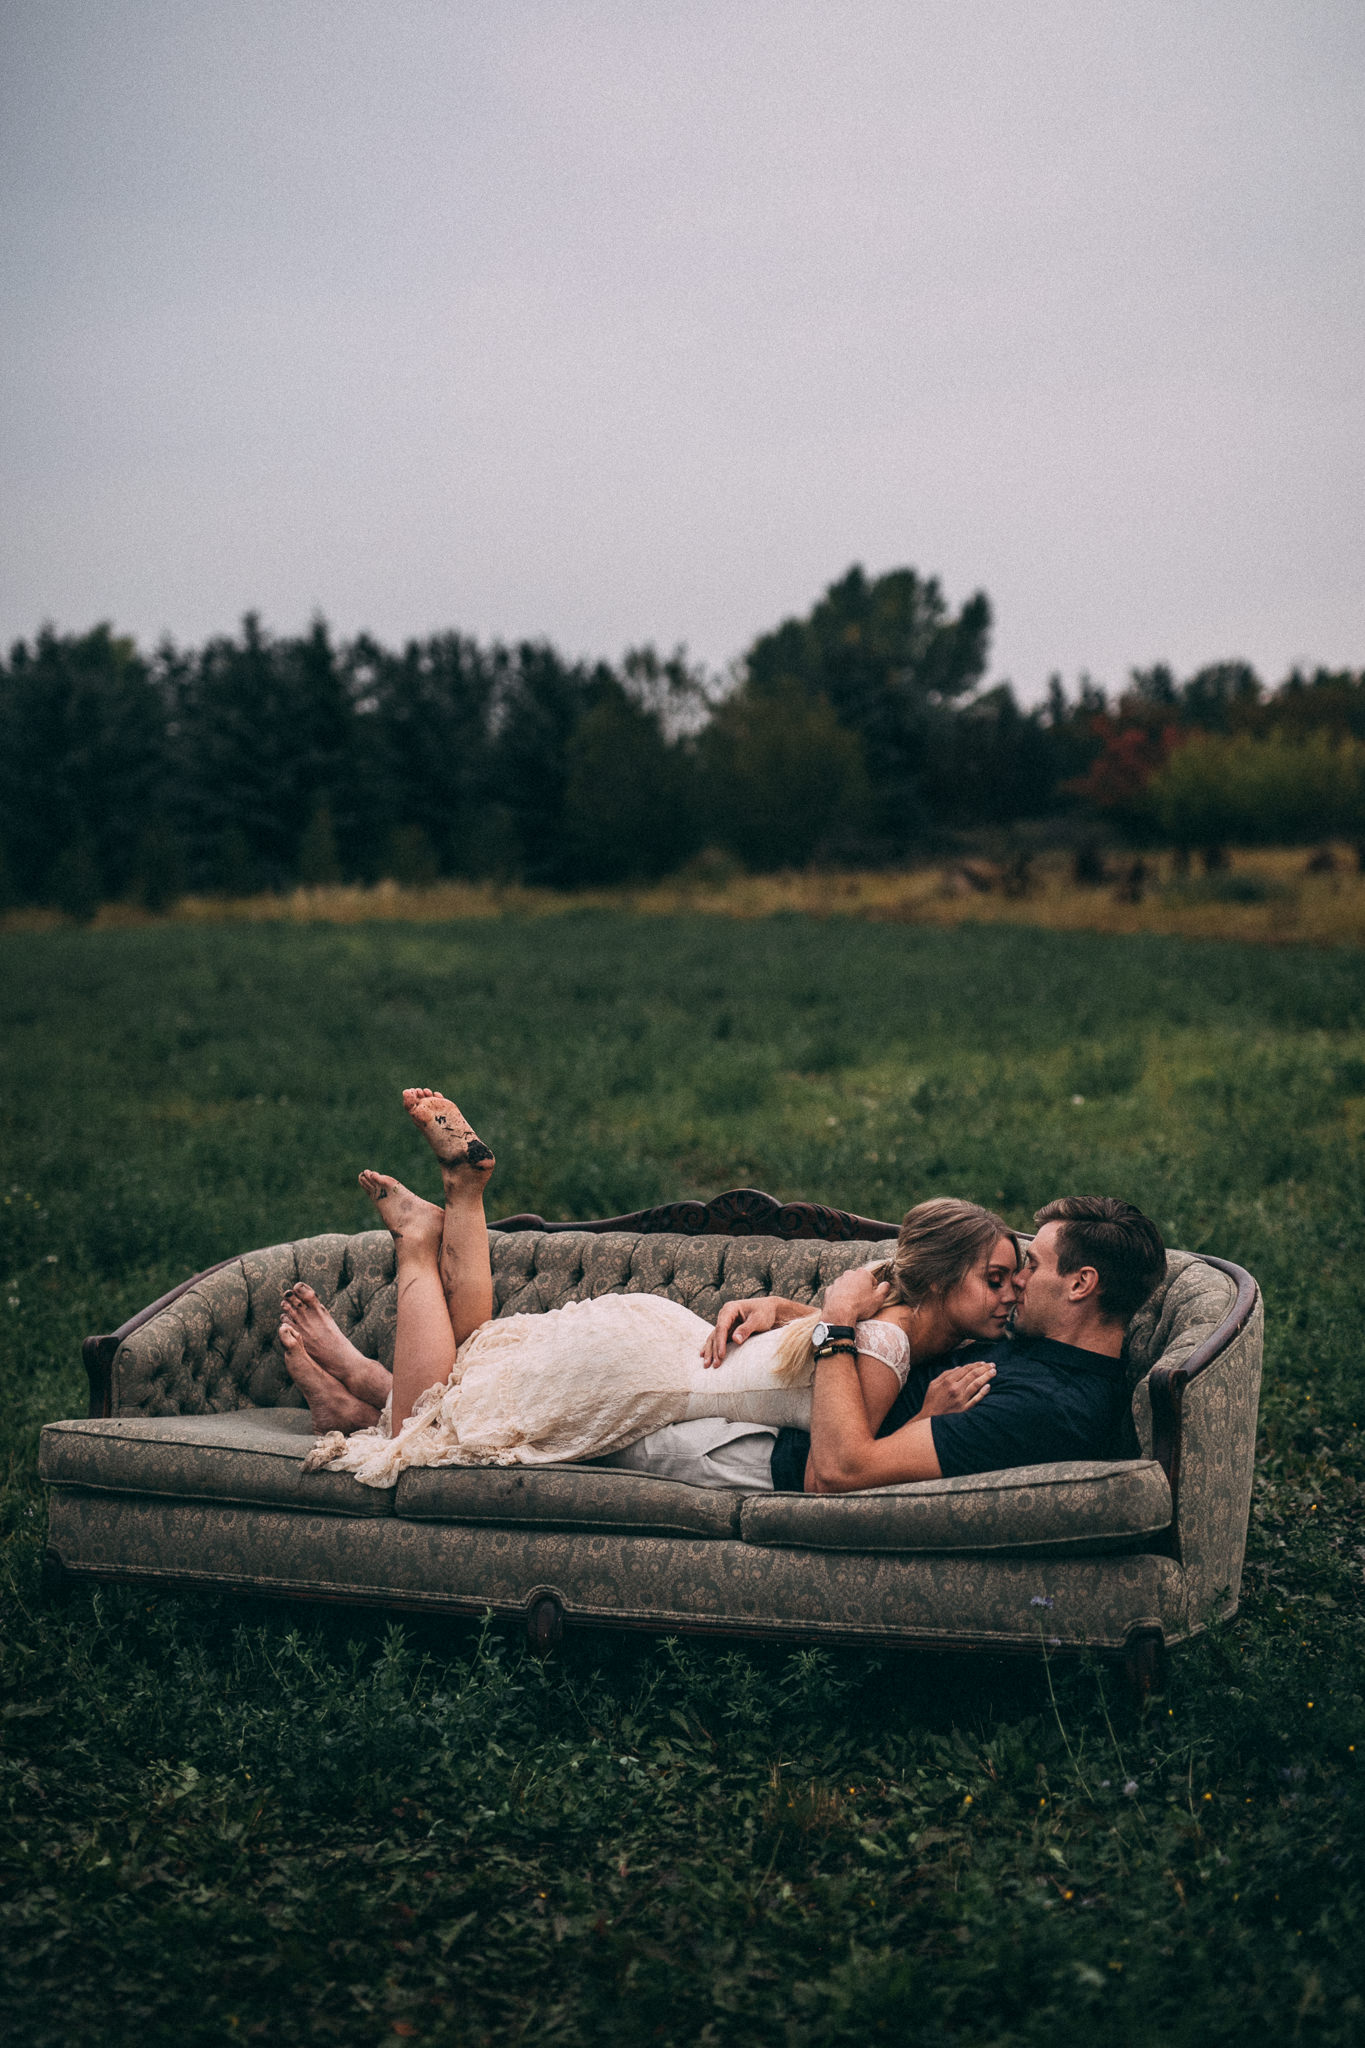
(888, 1343)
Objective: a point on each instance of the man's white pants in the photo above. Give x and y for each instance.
(704, 1453)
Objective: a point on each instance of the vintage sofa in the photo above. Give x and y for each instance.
(188, 1469)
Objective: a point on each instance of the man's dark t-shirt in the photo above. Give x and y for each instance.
(1048, 1403)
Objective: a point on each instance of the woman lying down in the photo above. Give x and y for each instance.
(593, 1380)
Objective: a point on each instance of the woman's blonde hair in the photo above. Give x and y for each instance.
(939, 1243)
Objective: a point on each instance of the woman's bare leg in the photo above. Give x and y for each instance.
(424, 1344)
(466, 1168)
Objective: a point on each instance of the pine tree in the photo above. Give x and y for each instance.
(83, 764)
(891, 661)
(318, 861)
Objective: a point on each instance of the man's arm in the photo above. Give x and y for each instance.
(846, 1453)
(951, 1392)
(845, 1456)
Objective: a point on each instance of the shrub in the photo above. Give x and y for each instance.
(1246, 790)
(411, 857)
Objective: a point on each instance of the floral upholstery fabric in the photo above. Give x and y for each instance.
(1175, 1319)
(566, 1497)
(1044, 1509)
(665, 1581)
(215, 1348)
(533, 1272)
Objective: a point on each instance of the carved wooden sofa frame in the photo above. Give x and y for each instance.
(187, 1469)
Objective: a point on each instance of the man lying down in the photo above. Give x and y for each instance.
(1057, 1389)
(909, 1372)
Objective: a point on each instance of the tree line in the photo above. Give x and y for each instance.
(858, 735)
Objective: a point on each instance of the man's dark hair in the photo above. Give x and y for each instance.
(1122, 1244)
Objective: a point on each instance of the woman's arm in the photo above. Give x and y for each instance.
(741, 1319)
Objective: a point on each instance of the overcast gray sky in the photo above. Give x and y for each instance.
(625, 320)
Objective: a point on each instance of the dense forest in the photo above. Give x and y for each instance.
(858, 735)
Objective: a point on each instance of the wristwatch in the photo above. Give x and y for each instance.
(831, 1337)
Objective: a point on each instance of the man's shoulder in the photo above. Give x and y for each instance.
(1038, 1356)
(999, 1351)
(994, 1350)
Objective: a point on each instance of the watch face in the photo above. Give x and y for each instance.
(819, 1335)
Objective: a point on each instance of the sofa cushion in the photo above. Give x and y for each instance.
(566, 1497)
(1049, 1510)
(251, 1454)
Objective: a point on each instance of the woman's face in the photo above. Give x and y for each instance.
(980, 1304)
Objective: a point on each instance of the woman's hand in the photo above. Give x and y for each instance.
(962, 1386)
(741, 1319)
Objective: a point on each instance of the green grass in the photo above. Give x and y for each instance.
(227, 1821)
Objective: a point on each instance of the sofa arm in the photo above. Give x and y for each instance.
(98, 1353)
(1166, 1382)
(1204, 1412)
(209, 1345)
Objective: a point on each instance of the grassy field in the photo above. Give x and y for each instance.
(225, 1821)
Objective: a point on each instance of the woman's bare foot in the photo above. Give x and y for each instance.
(329, 1403)
(465, 1159)
(328, 1346)
(409, 1220)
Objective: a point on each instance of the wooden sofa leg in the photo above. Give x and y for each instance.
(1144, 1664)
(544, 1624)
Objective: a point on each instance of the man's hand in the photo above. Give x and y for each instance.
(855, 1297)
(962, 1386)
(741, 1319)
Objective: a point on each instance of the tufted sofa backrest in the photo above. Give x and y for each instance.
(534, 1272)
(215, 1346)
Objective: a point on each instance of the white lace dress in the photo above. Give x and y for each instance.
(584, 1380)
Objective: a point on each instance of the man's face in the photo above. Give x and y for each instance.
(1043, 1293)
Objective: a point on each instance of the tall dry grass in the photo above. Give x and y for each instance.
(1265, 895)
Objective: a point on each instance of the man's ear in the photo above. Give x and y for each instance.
(1083, 1284)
